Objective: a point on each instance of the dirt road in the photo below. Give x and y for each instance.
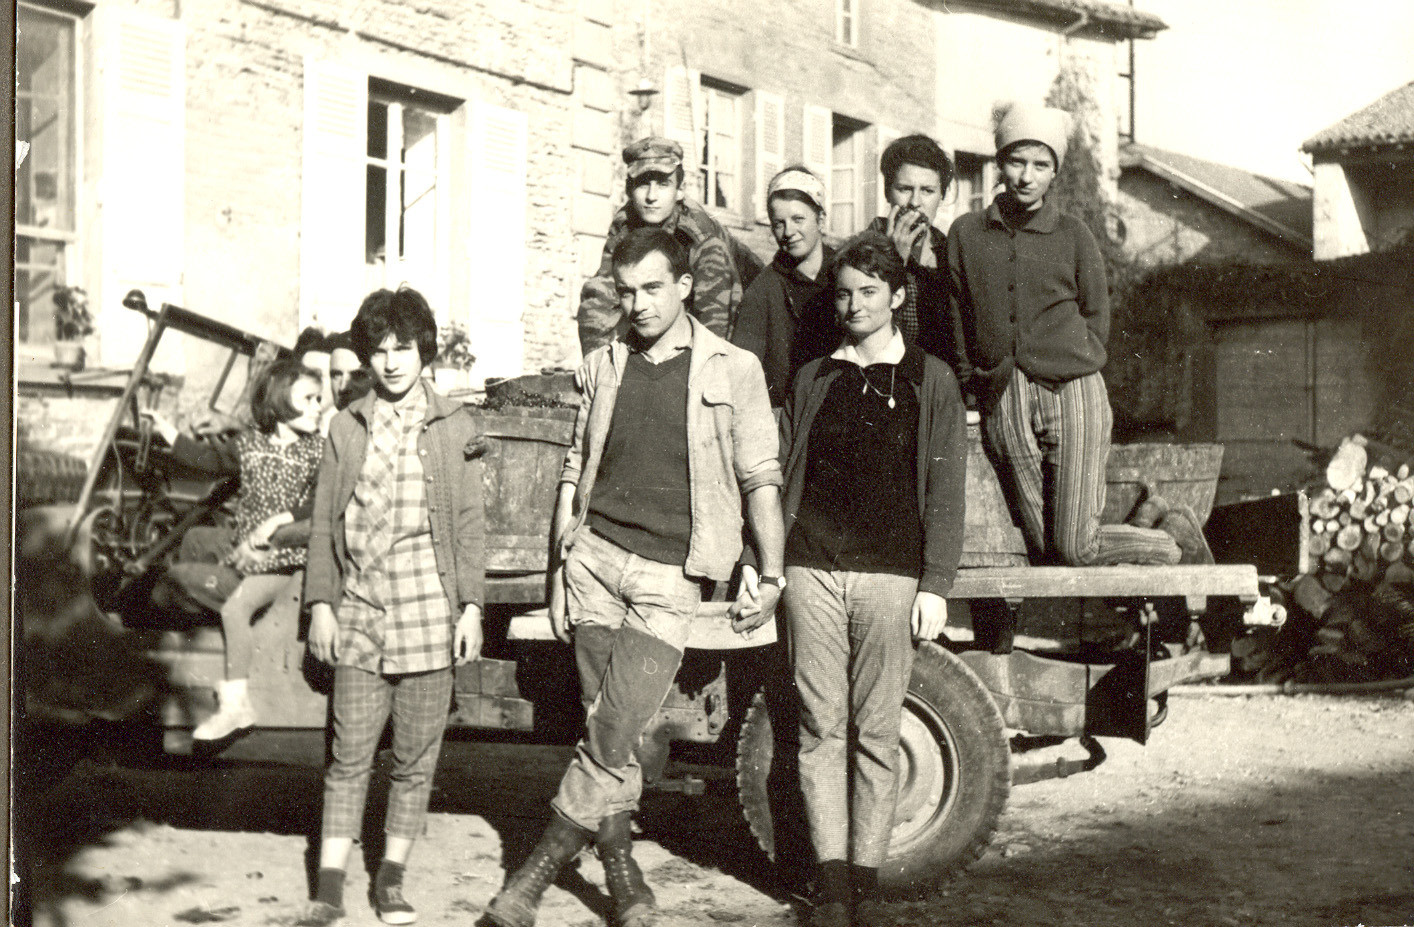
(1251, 811)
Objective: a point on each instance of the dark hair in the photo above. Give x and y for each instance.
(311, 339)
(639, 243)
(873, 254)
(403, 313)
(339, 340)
(270, 401)
(679, 176)
(919, 150)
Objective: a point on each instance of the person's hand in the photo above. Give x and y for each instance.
(214, 424)
(930, 616)
(259, 537)
(323, 633)
(755, 603)
(467, 639)
(559, 605)
(905, 226)
(161, 424)
(246, 558)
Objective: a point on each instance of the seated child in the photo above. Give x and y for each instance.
(277, 465)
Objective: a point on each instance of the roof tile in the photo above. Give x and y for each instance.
(1387, 121)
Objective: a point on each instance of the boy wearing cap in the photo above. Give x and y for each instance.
(721, 267)
(917, 173)
(1029, 304)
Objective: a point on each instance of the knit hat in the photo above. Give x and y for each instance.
(1027, 122)
(801, 181)
(653, 153)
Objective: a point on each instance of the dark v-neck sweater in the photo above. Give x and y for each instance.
(642, 501)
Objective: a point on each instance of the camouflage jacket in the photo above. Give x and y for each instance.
(717, 280)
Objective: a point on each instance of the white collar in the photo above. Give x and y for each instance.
(892, 353)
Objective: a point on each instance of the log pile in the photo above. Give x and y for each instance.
(1352, 618)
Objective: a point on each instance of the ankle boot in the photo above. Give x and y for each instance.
(831, 901)
(516, 904)
(634, 903)
(234, 712)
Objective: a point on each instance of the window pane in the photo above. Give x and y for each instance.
(374, 212)
(44, 113)
(377, 129)
(39, 267)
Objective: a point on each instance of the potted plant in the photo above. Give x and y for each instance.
(72, 323)
(454, 358)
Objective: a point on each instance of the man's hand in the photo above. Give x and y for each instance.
(755, 603)
(467, 639)
(906, 225)
(930, 616)
(162, 425)
(323, 633)
(558, 606)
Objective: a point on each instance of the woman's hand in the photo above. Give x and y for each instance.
(467, 639)
(323, 633)
(905, 226)
(161, 424)
(259, 537)
(246, 558)
(930, 616)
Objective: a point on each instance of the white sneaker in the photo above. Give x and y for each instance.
(235, 713)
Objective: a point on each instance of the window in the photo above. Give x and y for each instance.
(976, 175)
(406, 196)
(719, 174)
(847, 22)
(44, 184)
(847, 169)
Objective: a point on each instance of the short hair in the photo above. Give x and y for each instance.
(919, 150)
(639, 243)
(403, 313)
(270, 399)
(311, 339)
(339, 341)
(874, 255)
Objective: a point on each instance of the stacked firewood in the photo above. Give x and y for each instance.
(1351, 619)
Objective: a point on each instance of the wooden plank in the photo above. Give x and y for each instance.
(711, 629)
(1105, 582)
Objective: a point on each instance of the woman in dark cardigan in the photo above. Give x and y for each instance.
(874, 439)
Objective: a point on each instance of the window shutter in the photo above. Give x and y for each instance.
(683, 119)
(333, 189)
(770, 144)
(818, 140)
(144, 168)
(885, 137)
(496, 247)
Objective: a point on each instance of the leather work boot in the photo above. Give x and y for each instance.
(634, 904)
(516, 904)
(831, 901)
(592, 644)
(1181, 524)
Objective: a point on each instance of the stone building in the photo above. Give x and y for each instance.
(1364, 167)
(267, 162)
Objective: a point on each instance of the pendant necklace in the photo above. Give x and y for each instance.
(878, 392)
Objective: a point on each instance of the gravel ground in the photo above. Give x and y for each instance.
(1292, 811)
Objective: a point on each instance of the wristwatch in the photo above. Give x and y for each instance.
(778, 581)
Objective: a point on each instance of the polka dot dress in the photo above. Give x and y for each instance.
(274, 479)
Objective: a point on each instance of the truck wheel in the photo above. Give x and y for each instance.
(954, 775)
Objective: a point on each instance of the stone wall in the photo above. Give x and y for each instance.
(1165, 225)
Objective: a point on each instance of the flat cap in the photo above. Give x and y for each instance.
(653, 153)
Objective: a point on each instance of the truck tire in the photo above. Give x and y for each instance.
(954, 777)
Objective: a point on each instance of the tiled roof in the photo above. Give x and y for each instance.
(1279, 207)
(1387, 121)
(1117, 20)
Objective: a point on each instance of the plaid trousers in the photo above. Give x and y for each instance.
(1050, 448)
(852, 647)
(419, 704)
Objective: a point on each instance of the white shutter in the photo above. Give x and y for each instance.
(333, 189)
(496, 249)
(817, 142)
(885, 137)
(770, 144)
(144, 167)
(684, 120)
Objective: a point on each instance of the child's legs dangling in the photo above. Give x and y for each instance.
(254, 593)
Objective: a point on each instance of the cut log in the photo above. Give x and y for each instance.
(1337, 558)
(1377, 473)
(1399, 514)
(1399, 573)
(1319, 544)
(1333, 525)
(1391, 551)
(1381, 519)
(1393, 533)
(1365, 565)
(1370, 544)
(1311, 595)
(1348, 463)
(1359, 509)
(1345, 496)
(1404, 492)
(1403, 471)
(1324, 505)
(1318, 526)
(1348, 538)
(1343, 519)
(1371, 524)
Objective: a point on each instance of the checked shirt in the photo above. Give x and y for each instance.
(394, 616)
